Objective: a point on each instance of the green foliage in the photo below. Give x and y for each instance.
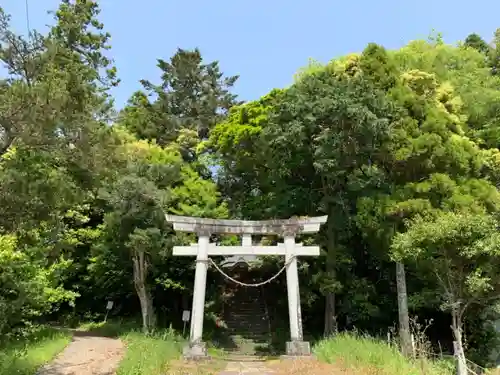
(239, 154)
(55, 152)
(27, 288)
(469, 74)
(155, 181)
(372, 140)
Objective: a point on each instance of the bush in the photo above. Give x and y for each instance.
(27, 288)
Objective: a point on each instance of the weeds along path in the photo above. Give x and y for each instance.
(87, 355)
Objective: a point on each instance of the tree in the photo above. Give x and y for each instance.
(475, 41)
(306, 143)
(154, 182)
(425, 111)
(54, 111)
(494, 55)
(237, 150)
(462, 251)
(192, 95)
(55, 151)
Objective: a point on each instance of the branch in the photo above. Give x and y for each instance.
(446, 290)
(477, 301)
(12, 42)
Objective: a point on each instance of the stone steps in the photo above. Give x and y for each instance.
(246, 309)
(246, 319)
(243, 329)
(247, 346)
(260, 328)
(255, 338)
(247, 322)
(236, 357)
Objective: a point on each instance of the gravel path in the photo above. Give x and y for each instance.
(87, 355)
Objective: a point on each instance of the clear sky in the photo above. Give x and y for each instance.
(264, 41)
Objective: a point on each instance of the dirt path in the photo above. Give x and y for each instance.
(252, 365)
(87, 355)
(252, 368)
(278, 367)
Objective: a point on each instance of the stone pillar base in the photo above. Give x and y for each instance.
(298, 349)
(196, 352)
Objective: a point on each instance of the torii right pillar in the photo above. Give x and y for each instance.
(296, 347)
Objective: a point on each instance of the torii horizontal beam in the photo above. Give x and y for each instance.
(214, 250)
(277, 226)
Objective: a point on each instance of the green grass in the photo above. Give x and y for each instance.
(371, 356)
(26, 356)
(149, 354)
(110, 328)
(156, 353)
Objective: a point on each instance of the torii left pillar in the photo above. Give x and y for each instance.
(197, 348)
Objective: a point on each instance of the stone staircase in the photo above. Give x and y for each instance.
(247, 320)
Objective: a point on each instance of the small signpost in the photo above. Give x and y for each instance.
(109, 306)
(186, 315)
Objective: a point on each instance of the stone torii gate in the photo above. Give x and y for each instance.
(288, 229)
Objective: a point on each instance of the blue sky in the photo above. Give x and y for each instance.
(265, 42)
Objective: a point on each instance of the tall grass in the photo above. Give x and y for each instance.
(27, 355)
(148, 354)
(372, 356)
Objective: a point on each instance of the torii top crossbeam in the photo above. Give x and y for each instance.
(223, 226)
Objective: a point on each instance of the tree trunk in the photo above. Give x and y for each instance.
(148, 316)
(330, 315)
(151, 311)
(404, 319)
(456, 327)
(331, 273)
(140, 275)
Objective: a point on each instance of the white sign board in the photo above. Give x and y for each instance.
(186, 315)
(109, 306)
